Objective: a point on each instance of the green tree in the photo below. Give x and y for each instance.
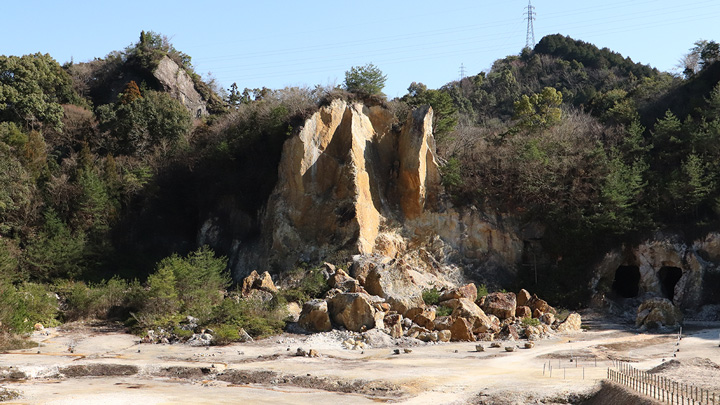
(200, 279)
(539, 110)
(445, 114)
(32, 89)
(139, 126)
(56, 252)
(366, 80)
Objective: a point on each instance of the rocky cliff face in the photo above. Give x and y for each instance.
(667, 266)
(352, 184)
(176, 82)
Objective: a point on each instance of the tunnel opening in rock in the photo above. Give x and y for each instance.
(669, 277)
(627, 281)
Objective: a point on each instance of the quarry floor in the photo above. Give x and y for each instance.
(428, 374)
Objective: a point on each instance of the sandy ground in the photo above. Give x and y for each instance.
(123, 371)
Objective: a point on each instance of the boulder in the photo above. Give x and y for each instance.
(314, 316)
(523, 312)
(342, 281)
(461, 330)
(395, 285)
(254, 281)
(293, 310)
(468, 310)
(538, 304)
(500, 304)
(426, 318)
(396, 331)
(443, 323)
(468, 291)
(354, 311)
(547, 318)
(429, 336)
(523, 297)
(486, 337)
(444, 335)
(248, 283)
(244, 336)
(509, 332)
(571, 324)
(393, 319)
(658, 312)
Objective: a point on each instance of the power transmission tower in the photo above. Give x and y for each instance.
(530, 17)
(462, 71)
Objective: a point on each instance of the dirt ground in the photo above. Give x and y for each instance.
(107, 366)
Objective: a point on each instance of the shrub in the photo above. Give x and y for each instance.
(258, 318)
(431, 296)
(225, 334)
(529, 321)
(482, 290)
(104, 300)
(443, 311)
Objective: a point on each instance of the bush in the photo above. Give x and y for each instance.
(443, 311)
(225, 334)
(431, 296)
(113, 299)
(529, 321)
(199, 280)
(259, 319)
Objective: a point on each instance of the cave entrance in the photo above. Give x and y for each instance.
(627, 281)
(669, 277)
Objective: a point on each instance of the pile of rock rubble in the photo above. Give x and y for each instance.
(499, 315)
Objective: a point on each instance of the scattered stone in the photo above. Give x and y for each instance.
(38, 326)
(480, 348)
(396, 351)
(300, 352)
(406, 350)
(495, 344)
(509, 348)
(313, 353)
(529, 345)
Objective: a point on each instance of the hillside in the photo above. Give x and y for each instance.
(121, 177)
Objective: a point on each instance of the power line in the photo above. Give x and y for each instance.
(530, 17)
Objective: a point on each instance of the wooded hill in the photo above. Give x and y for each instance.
(103, 173)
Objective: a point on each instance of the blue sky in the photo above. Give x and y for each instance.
(294, 43)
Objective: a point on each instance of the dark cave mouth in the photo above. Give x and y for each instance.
(669, 277)
(627, 281)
